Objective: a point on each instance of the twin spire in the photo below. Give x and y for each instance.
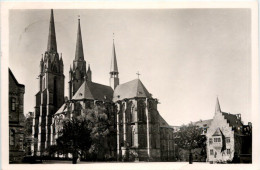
(79, 54)
(52, 45)
(79, 46)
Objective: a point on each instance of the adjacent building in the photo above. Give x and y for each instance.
(228, 139)
(16, 119)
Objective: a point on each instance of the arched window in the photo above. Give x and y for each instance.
(12, 137)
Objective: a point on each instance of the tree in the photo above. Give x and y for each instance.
(98, 124)
(28, 140)
(84, 135)
(190, 137)
(74, 138)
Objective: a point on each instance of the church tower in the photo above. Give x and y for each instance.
(114, 79)
(51, 91)
(78, 71)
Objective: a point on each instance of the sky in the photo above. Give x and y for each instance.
(186, 57)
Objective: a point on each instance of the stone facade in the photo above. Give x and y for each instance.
(138, 129)
(225, 137)
(16, 119)
(51, 93)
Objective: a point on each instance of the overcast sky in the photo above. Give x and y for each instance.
(186, 57)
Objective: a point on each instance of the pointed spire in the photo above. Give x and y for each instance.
(113, 61)
(79, 46)
(61, 60)
(217, 109)
(89, 67)
(52, 45)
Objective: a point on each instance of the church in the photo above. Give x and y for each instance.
(137, 124)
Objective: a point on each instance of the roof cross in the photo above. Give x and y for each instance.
(138, 74)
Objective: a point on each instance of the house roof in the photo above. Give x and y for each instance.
(13, 77)
(201, 123)
(93, 91)
(232, 120)
(131, 89)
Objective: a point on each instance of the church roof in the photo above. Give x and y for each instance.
(93, 91)
(131, 89)
(162, 122)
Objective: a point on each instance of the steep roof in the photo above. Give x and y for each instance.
(11, 75)
(93, 91)
(232, 120)
(131, 89)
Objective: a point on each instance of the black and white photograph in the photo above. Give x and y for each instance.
(176, 85)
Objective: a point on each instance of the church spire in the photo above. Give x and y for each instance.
(79, 46)
(217, 109)
(114, 79)
(52, 45)
(113, 61)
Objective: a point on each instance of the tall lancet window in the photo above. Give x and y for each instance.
(142, 112)
(133, 135)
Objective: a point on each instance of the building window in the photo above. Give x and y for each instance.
(217, 140)
(228, 139)
(211, 151)
(228, 151)
(12, 137)
(13, 103)
(210, 141)
(43, 84)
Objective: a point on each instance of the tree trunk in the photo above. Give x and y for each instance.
(74, 157)
(190, 157)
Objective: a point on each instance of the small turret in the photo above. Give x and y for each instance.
(61, 63)
(41, 65)
(89, 74)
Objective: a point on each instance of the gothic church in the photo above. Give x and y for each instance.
(137, 124)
